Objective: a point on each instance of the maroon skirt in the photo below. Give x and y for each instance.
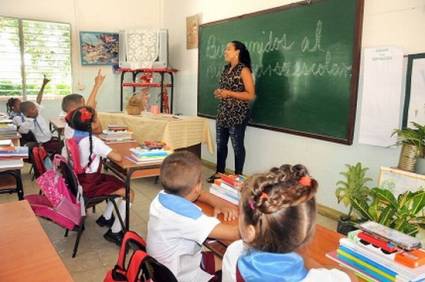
(99, 184)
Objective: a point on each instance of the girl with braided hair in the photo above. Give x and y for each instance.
(95, 183)
(277, 215)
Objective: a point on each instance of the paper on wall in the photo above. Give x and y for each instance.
(381, 95)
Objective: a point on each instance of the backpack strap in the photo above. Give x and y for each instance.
(130, 237)
(135, 265)
(239, 277)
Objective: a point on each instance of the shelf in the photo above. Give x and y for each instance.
(167, 70)
(144, 84)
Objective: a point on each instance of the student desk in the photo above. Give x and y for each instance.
(57, 124)
(10, 177)
(26, 252)
(314, 253)
(127, 170)
(177, 131)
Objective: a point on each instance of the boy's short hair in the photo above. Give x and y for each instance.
(71, 99)
(180, 173)
(26, 106)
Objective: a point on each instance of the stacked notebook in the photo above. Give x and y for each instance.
(116, 134)
(9, 151)
(141, 155)
(8, 130)
(375, 264)
(228, 187)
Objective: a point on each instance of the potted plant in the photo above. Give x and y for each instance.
(413, 144)
(353, 187)
(405, 213)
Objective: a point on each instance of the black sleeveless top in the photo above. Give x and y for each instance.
(232, 111)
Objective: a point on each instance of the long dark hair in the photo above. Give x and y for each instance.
(244, 56)
(10, 104)
(280, 204)
(82, 119)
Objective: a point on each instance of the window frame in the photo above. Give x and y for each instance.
(24, 96)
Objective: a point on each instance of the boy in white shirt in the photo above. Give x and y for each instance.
(38, 126)
(177, 227)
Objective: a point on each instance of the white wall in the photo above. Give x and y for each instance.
(386, 22)
(93, 15)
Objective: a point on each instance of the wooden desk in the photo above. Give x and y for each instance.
(177, 131)
(26, 252)
(127, 170)
(314, 252)
(11, 180)
(57, 124)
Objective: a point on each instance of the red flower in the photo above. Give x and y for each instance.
(85, 115)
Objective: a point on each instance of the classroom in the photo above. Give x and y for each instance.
(331, 80)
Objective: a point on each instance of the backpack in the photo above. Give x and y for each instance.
(141, 267)
(73, 151)
(57, 203)
(40, 160)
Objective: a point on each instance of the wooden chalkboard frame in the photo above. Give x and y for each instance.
(348, 140)
(410, 61)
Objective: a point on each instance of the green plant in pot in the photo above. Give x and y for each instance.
(405, 213)
(413, 147)
(352, 188)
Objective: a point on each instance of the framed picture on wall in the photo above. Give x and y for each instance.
(99, 48)
(414, 103)
(192, 26)
(399, 181)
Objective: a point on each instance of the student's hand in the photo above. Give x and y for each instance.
(45, 80)
(98, 80)
(230, 212)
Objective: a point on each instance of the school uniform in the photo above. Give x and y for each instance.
(177, 229)
(94, 182)
(39, 127)
(257, 266)
(17, 118)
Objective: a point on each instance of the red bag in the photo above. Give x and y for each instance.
(141, 266)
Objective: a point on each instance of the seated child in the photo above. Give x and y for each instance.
(17, 117)
(277, 214)
(38, 126)
(95, 183)
(73, 101)
(13, 105)
(177, 227)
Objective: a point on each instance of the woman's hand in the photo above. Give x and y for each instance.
(222, 93)
(230, 212)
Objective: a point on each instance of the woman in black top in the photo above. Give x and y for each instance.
(236, 90)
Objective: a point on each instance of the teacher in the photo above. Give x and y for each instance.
(236, 90)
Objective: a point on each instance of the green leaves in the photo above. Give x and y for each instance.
(354, 186)
(413, 136)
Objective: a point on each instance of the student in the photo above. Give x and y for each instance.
(177, 227)
(277, 214)
(13, 105)
(95, 183)
(73, 101)
(34, 123)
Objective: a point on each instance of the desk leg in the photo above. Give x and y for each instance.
(127, 200)
(162, 91)
(19, 186)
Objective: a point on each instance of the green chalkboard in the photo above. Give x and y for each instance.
(305, 60)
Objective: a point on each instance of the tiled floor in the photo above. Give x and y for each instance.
(96, 255)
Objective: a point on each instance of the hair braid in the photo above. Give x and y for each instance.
(91, 146)
(280, 204)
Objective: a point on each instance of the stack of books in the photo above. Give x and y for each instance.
(379, 262)
(7, 150)
(116, 134)
(8, 130)
(141, 155)
(228, 187)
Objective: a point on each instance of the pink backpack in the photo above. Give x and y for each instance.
(57, 202)
(73, 150)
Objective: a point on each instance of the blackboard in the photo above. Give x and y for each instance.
(305, 60)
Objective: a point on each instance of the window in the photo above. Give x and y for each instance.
(30, 49)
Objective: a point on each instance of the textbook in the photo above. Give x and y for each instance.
(18, 152)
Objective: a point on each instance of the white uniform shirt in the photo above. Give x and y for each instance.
(176, 230)
(18, 119)
(237, 248)
(100, 149)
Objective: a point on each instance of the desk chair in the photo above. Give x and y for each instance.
(72, 181)
(11, 182)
